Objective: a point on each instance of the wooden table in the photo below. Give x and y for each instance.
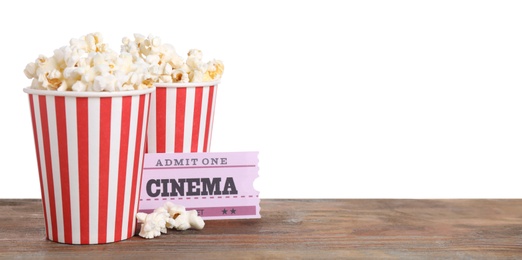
(297, 229)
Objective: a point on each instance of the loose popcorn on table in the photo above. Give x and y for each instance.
(168, 216)
(88, 64)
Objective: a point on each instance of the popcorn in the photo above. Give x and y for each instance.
(168, 216)
(30, 70)
(173, 209)
(166, 66)
(195, 221)
(180, 76)
(88, 64)
(214, 71)
(152, 224)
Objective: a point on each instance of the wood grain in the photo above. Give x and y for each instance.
(301, 229)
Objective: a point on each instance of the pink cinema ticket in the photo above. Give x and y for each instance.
(217, 185)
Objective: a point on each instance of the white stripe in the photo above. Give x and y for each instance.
(203, 118)
(135, 100)
(94, 167)
(41, 151)
(55, 158)
(72, 154)
(170, 124)
(151, 142)
(140, 165)
(116, 110)
(212, 117)
(189, 119)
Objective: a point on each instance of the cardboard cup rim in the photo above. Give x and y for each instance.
(187, 85)
(43, 92)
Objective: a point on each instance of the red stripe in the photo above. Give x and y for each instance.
(209, 118)
(61, 127)
(33, 120)
(82, 120)
(161, 115)
(122, 167)
(197, 119)
(48, 165)
(181, 96)
(135, 171)
(105, 147)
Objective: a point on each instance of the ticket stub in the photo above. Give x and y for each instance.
(217, 185)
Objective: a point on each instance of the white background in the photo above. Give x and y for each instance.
(343, 99)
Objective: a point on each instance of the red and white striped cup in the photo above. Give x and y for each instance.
(181, 117)
(89, 148)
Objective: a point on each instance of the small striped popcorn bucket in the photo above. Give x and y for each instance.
(89, 149)
(181, 117)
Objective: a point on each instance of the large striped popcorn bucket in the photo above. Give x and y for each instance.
(181, 117)
(89, 149)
